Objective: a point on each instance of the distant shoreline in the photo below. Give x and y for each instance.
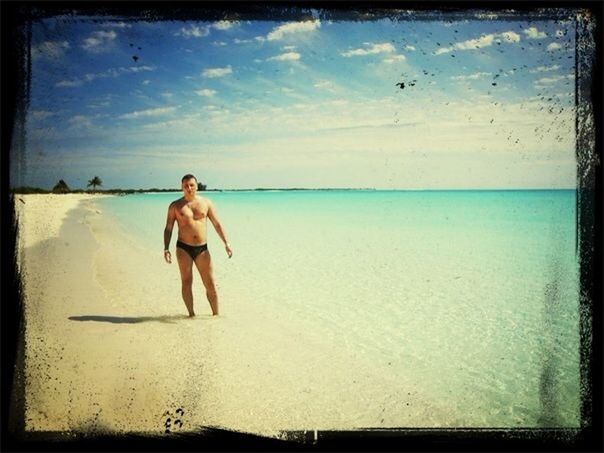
(36, 190)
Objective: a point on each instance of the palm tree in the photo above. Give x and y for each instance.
(96, 181)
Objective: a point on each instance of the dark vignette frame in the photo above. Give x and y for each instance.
(16, 35)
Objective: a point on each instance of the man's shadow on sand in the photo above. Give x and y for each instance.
(170, 319)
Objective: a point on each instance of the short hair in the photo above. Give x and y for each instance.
(187, 177)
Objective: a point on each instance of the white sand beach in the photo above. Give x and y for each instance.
(98, 356)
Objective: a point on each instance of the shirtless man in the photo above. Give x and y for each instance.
(191, 213)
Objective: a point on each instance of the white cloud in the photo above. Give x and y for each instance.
(488, 16)
(116, 25)
(41, 114)
(289, 47)
(206, 92)
(551, 80)
(50, 49)
(224, 24)
(193, 31)
(111, 72)
(185, 121)
(385, 47)
(79, 121)
(553, 46)
(69, 83)
(533, 33)
(324, 85)
(483, 41)
(146, 82)
(509, 36)
(137, 68)
(149, 112)
(474, 76)
(281, 31)
(99, 41)
(544, 68)
(288, 56)
(99, 105)
(212, 73)
(219, 43)
(409, 47)
(167, 94)
(242, 41)
(394, 59)
(426, 136)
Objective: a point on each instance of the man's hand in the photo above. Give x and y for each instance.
(227, 247)
(168, 256)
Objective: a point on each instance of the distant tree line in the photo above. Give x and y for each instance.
(25, 190)
(62, 187)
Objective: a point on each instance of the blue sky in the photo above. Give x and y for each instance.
(487, 103)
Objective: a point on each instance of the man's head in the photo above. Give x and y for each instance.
(189, 184)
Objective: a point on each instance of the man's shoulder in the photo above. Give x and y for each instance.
(203, 200)
(176, 202)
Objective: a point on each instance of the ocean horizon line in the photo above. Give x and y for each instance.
(353, 189)
(373, 189)
(299, 189)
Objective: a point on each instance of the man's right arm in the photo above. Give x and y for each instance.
(168, 232)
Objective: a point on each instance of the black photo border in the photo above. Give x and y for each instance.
(16, 17)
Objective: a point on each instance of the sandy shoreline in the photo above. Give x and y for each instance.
(95, 358)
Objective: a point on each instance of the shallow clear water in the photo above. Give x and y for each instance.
(465, 300)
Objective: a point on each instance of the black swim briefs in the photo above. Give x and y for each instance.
(192, 250)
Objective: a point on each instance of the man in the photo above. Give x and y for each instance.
(191, 212)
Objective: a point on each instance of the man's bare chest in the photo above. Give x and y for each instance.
(192, 212)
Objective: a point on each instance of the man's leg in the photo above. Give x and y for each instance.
(204, 266)
(185, 264)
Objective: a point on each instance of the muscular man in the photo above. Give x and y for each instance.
(191, 212)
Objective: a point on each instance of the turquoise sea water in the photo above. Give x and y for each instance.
(468, 297)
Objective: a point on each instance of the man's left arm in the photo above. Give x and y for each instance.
(218, 227)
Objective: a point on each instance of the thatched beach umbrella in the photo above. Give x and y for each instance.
(61, 187)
